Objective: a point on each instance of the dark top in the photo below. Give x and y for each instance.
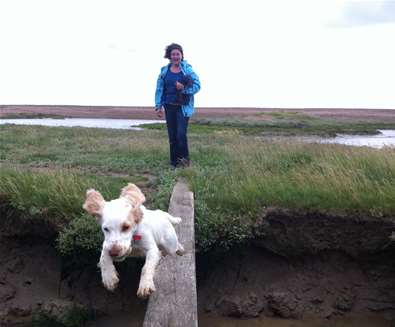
(170, 91)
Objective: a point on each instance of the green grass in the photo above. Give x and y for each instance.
(234, 178)
(120, 151)
(307, 176)
(326, 178)
(57, 194)
(281, 123)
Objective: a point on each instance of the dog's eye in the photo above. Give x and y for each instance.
(106, 229)
(125, 228)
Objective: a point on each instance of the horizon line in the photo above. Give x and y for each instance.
(197, 107)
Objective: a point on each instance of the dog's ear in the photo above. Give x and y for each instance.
(135, 215)
(94, 203)
(133, 194)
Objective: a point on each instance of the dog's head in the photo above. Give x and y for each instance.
(118, 218)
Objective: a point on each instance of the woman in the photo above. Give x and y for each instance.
(176, 85)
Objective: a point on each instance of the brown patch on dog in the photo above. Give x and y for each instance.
(135, 215)
(125, 227)
(133, 194)
(94, 203)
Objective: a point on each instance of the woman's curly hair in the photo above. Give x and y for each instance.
(171, 47)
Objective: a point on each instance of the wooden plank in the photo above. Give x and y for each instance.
(174, 304)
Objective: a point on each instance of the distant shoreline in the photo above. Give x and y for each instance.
(141, 112)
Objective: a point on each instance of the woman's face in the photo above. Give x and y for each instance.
(175, 56)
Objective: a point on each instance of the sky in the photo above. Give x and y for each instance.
(247, 53)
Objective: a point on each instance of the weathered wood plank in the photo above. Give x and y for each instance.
(174, 304)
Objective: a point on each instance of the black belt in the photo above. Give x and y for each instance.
(174, 104)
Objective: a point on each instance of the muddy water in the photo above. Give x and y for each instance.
(210, 320)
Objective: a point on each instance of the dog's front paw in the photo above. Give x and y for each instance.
(146, 289)
(110, 280)
(176, 220)
(180, 250)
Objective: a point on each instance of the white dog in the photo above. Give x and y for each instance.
(127, 225)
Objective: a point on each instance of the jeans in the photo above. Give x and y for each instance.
(177, 125)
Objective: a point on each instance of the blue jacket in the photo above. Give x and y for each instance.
(186, 69)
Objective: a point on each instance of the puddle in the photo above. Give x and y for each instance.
(83, 122)
(385, 138)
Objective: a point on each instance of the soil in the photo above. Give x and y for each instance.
(217, 112)
(303, 269)
(31, 279)
(368, 320)
(305, 264)
(34, 278)
(258, 283)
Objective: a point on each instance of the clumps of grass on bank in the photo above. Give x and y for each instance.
(302, 176)
(57, 194)
(324, 178)
(74, 316)
(80, 241)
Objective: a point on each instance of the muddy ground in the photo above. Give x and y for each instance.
(148, 112)
(301, 269)
(304, 264)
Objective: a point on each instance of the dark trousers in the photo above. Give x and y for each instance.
(177, 125)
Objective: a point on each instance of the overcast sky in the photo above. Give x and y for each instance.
(271, 53)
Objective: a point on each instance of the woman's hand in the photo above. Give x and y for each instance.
(159, 112)
(179, 86)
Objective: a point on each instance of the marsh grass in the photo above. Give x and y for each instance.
(57, 194)
(330, 179)
(234, 178)
(281, 123)
(307, 176)
(107, 150)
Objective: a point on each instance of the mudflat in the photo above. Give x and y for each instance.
(136, 112)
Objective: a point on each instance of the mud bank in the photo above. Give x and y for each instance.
(306, 265)
(259, 283)
(33, 281)
(301, 269)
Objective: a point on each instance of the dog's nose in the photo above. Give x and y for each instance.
(114, 251)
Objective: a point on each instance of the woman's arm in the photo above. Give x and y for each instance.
(159, 92)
